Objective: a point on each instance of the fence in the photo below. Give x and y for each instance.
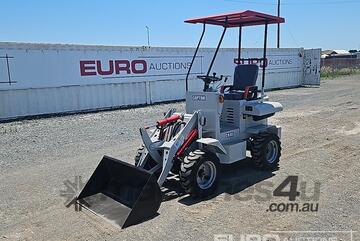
(341, 63)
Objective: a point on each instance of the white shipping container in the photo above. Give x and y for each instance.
(38, 79)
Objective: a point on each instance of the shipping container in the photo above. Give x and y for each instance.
(37, 79)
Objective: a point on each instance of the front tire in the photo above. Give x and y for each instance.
(199, 173)
(150, 163)
(266, 151)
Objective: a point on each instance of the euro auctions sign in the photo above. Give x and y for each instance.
(95, 67)
(133, 68)
(151, 65)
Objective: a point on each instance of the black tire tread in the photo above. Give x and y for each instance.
(258, 149)
(186, 173)
(138, 154)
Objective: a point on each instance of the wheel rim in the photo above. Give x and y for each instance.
(206, 175)
(271, 151)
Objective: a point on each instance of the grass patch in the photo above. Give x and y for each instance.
(330, 73)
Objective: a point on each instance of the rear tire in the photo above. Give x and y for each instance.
(199, 173)
(266, 151)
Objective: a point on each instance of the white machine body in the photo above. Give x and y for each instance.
(229, 123)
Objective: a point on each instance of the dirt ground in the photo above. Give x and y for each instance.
(321, 140)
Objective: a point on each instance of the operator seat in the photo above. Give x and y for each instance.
(244, 76)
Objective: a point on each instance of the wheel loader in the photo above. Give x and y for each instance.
(224, 123)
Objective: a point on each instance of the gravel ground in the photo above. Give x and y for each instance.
(321, 137)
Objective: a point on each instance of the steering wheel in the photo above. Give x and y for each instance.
(209, 79)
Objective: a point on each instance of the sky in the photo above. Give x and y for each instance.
(326, 24)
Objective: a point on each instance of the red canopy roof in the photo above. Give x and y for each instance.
(244, 18)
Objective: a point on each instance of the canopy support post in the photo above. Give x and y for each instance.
(193, 58)
(217, 49)
(264, 61)
(239, 48)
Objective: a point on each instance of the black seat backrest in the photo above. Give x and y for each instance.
(245, 75)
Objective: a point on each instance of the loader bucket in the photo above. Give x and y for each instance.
(121, 193)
